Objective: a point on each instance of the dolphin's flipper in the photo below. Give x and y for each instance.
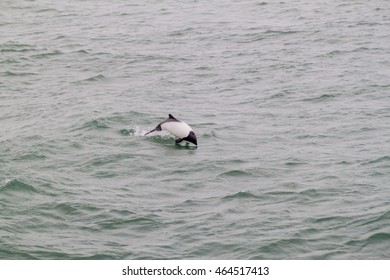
(179, 140)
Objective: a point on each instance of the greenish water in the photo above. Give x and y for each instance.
(289, 100)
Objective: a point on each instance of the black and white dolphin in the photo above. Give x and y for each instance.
(178, 128)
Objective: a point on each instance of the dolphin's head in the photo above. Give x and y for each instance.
(191, 138)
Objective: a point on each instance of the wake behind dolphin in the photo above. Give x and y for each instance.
(180, 129)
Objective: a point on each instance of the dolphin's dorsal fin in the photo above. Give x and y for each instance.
(171, 117)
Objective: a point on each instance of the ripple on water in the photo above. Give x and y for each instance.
(235, 173)
(13, 46)
(16, 186)
(241, 195)
(378, 160)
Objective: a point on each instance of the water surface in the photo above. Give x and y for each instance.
(289, 100)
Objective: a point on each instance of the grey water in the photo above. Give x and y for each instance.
(290, 102)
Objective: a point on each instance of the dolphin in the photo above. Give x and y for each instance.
(180, 129)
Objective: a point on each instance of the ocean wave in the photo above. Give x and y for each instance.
(16, 253)
(18, 74)
(284, 248)
(47, 54)
(295, 162)
(371, 240)
(94, 78)
(30, 156)
(235, 173)
(320, 98)
(146, 223)
(378, 237)
(66, 209)
(16, 47)
(47, 10)
(102, 160)
(378, 160)
(15, 185)
(112, 121)
(241, 195)
(96, 124)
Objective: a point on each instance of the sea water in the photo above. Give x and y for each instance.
(290, 102)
